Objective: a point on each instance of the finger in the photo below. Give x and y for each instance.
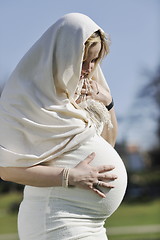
(94, 85)
(98, 189)
(107, 176)
(105, 168)
(101, 194)
(107, 185)
(89, 158)
(85, 91)
(103, 184)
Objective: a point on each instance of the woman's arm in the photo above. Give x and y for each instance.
(110, 135)
(38, 176)
(83, 175)
(101, 94)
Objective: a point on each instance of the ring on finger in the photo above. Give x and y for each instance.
(97, 184)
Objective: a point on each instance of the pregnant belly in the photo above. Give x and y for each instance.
(105, 154)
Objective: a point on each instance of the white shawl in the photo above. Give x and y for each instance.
(38, 121)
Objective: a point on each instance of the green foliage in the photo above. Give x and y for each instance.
(147, 177)
(6, 187)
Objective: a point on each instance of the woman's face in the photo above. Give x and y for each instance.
(92, 57)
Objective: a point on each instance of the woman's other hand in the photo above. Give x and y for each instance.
(97, 92)
(85, 176)
(100, 94)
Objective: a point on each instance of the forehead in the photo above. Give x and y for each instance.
(94, 50)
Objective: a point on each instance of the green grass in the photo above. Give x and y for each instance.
(150, 236)
(127, 215)
(147, 213)
(138, 214)
(8, 219)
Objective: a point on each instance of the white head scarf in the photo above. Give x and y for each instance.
(38, 121)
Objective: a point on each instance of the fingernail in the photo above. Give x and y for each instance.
(111, 166)
(93, 153)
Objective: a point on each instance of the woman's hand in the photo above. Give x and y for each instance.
(86, 176)
(97, 92)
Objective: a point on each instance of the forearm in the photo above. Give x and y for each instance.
(110, 135)
(83, 175)
(38, 176)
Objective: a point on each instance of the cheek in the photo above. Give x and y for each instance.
(84, 66)
(92, 65)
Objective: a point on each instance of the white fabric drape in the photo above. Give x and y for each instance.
(38, 121)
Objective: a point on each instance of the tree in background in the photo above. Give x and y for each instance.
(142, 125)
(151, 91)
(142, 132)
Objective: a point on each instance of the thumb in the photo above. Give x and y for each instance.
(89, 158)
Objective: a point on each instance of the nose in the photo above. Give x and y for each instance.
(87, 67)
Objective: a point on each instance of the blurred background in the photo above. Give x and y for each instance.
(132, 70)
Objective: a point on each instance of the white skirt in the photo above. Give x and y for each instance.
(56, 213)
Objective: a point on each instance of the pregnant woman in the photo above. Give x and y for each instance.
(57, 132)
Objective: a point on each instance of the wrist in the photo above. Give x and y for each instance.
(110, 105)
(107, 100)
(71, 178)
(65, 177)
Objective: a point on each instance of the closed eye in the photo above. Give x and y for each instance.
(94, 60)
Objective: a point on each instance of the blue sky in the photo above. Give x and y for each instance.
(132, 24)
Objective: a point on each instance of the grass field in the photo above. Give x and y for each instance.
(8, 217)
(147, 213)
(128, 215)
(139, 214)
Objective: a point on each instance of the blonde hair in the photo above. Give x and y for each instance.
(97, 37)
